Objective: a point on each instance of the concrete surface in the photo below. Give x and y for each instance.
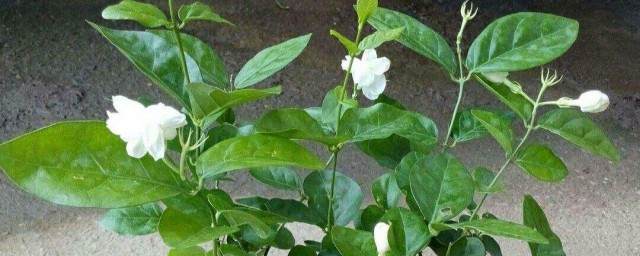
(53, 67)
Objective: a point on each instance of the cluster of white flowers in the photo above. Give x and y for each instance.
(144, 129)
(368, 73)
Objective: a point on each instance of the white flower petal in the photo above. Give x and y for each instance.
(369, 55)
(126, 126)
(169, 133)
(363, 78)
(123, 104)
(154, 142)
(380, 237)
(593, 101)
(135, 148)
(165, 116)
(380, 65)
(376, 88)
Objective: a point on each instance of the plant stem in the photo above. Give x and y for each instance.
(511, 157)
(176, 31)
(455, 111)
(331, 192)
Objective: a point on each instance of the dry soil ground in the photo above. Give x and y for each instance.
(53, 66)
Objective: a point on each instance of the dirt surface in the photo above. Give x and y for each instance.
(53, 67)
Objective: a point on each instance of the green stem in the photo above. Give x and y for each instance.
(331, 192)
(455, 110)
(176, 31)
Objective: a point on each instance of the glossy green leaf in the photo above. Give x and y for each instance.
(417, 36)
(220, 200)
(387, 152)
(385, 190)
(483, 178)
(300, 250)
(254, 151)
(347, 196)
(577, 128)
(351, 242)
(380, 37)
(518, 103)
(253, 202)
(294, 123)
(364, 9)
(231, 250)
(238, 218)
(505, 229)
(146, 14)
(535, 218)
(188, 251)
(137, 220)
(199, 11)
(467, 246)
(441, 186)
(408, 234)
(187, 222)
(208, 101)
(269, 61)
(539, 161)
(293, 210)
(491, 246)
(351, 46)
(499, 127)
(467, 127)
(369, 217)
(220, 133)
(85, 166)
(278, 177)
(382, 120)
(521, 41)
(210, 65)
(335, 100)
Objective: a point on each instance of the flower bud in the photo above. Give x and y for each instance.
(496, 77)
(380, 234)
(592, 101)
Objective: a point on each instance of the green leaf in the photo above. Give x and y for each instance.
(301, 250)
(269, 61)
(146, 50)
(369, 217)
(254, 151)
(199, 11)
(83, 164)
(211, 102)
(347, 196)
(146, 14)
(385, 190)
(238, 218)
(539, 161)
(483, 178)
(505, 229)
(231, 250)
(293, 210)
(381, 121)
(187, 222)
(535, 218)
(417, 36)
(387, 152)
(138, 220)
(351, 242)
(189, 251)
(278, 177)
(516, 102)
(467, 246)
(380, 37)
(498, 126)
(441, 186)
(220, 133)
(210, 65)
(467, 127)
(408, 234)
(364, 9)
(491, 246)
(335, 100)
(351, 46)
(577, 128)
(294, 123)
(521, 41)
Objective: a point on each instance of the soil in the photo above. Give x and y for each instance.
(54, 67)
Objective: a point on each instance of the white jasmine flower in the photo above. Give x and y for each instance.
(368, 73)
(380, 237)
(144, 129)
(496, 77)
(593, 101)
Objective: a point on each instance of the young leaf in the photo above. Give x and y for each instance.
(385, 190)
(577, 128)
(333, 101)
(408, 234)
(351, 46)
(535, 218)
(369, 217)
(417, 36)
(539, 161)
(347, 196)
(505, 229)
(483, 178)
(351, 242)
(516, 102)
(254, 151)
(441, 186)
(521, 41)
(466, 127)
(138, 220)
(83, 164)
(210, 103)
(294, 123)
(188, 251)
(379, 37)
(199, 11)
(269, 61)
(467, 246)
(146, 14)
(364, 9)
(498, 126)
(278, 177)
